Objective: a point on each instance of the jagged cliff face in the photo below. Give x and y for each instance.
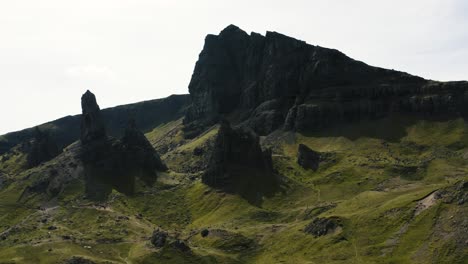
(275, 81)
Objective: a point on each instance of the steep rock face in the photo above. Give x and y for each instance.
(271, 81)
(92, 125)
(238, 164)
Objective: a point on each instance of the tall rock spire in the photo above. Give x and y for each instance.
(92, 125)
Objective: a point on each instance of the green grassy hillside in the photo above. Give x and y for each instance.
(397, 193)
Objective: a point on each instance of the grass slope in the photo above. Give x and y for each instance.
(379, 188)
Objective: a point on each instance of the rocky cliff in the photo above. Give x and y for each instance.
(274, 81)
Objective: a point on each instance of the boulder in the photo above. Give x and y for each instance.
(204, 232)
(308, 158)
(158, 239)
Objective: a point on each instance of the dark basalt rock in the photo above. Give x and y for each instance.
(42, 149)
(92, 125)
(308, 158)
(273, 81)
(322, 226)
(158, 239)
(239, 165)
(204, 232)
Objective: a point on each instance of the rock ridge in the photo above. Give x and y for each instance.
(275, 81)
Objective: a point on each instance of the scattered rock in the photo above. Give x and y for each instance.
(52, 228)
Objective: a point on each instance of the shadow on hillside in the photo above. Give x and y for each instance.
(390, 129)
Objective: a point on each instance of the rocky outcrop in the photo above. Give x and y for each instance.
(311, 159)
(181, 246)
(238, 164)
(274, 81)
(92, 125)
(307, 158)
(456, 194)
(159, 238)
(112, 163)
(42, 149)
(139, 151)
(322, 226)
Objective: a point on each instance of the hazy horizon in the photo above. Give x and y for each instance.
(129, 51)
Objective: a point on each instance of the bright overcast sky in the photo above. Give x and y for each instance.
(126, 51)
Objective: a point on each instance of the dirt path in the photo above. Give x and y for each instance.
(425, 203)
